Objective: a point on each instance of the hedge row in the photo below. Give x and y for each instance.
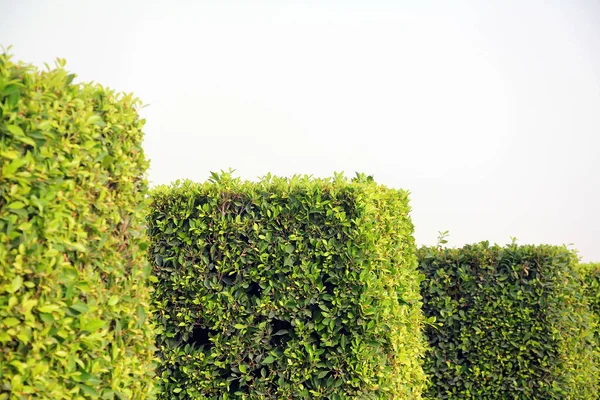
(511, 323)
(285, 288)
(73, 298)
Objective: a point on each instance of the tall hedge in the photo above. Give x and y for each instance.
(285, 289)
(73, 294)
(511, 323)
(590, 273)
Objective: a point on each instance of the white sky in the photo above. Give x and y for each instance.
(487, 111)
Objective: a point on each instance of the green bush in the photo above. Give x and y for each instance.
(590, 273)
(285, 288)
(73, 297)
(511, 323)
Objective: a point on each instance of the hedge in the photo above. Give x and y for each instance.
(73, 294)
(511, 323)
(285, 288)
(590, 274)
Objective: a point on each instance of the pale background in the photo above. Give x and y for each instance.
(487, 111)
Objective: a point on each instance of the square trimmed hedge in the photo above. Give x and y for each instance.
(74, 297)
(285, 288)
(511, 323)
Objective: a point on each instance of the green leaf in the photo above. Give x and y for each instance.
(113, 300)
(79, 247)
(10, 89)
(15, 130)
(88, 390)
(16, 205)
(11, 321)
(96, 120)
(10, 154)
(94, 325)
(268, 360)
(27, 305)
(15, 284)
(69, 79)
(27, 140)
(80, 307)
(343, 342)
(49, 308)
(13, 166)
(47, 318)
(24, 337)
(4, 336)
(13, 99)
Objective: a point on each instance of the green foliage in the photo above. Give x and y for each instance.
(590, 274)
(73, 297)
(285, 288)
(511, 323)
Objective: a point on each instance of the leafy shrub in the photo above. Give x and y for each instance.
(286, 288)
(511, 323)
(590, 273)
(73, 297)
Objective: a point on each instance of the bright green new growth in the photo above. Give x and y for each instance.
(285, 288)
(511, 323)
(73, 296)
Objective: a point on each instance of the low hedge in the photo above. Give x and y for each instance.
(511, 323)
(73, 297)
(285, 288)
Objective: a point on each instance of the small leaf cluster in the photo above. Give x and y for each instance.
(507, 323)
(285, 288)
(73, 295)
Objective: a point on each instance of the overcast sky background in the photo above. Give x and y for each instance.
(487, 111)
